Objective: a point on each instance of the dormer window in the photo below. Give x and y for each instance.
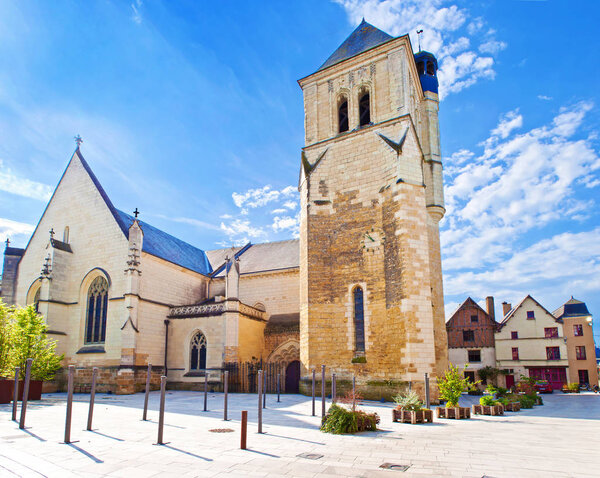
(343, 115)
(364, 109)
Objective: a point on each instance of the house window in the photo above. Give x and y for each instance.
(198, 352)
(468, 335)
(97, 305)
(578, 330)
(514, 335)
(359, 320)
(343, 115)
(580, 352)
(584, 378)
(530, 314)
(551, 332)
(364, 109)
(552, 353)
(474, 355)
(515, 353)
(470, 376)
(474, 319)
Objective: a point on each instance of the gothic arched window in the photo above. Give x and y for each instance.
(343, 115)
(36, 299)
(66, 235)
(359, 320)
(198, 352)
(364, 109)
(97, 305)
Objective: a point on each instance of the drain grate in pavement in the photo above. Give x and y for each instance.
(310, 456)
(394, 466)
(221, 430)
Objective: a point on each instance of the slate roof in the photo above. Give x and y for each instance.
(363, 38)
(160, 244)
(512, 311)
(156, 242)
(571, 308)
(263, 257)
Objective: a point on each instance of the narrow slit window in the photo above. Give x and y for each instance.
(359, 320)
(97, 305)
(430, 68)
(198, 352)
(420, 68)
(343, 116)
(66, 235)
(364, 109)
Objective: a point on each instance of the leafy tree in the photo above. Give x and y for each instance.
(6, 339)
(452, 385)
(488, 373)
(30, 341)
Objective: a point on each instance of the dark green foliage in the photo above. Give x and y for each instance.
(339, 420)
(525, 401)
(361, 359)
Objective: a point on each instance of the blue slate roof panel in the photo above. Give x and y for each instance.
(169, 248)
(365, 37)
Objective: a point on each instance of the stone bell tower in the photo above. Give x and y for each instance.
(371, 297)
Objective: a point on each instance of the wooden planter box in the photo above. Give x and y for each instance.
(454, 412)
(488, 410)
(35, 389)
(512, 407)
(6, 390)
(410, 416)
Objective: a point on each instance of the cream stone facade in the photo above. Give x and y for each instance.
(119, 294)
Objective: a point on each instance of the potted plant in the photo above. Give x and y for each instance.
(451, 387)
(409, 409)
(30, 341)
(6, 334)
(510, 403)
(339, 420)
(488, 406)
(570, 388)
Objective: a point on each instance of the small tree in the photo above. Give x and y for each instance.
(408, 401)
(452, 385)
(490, 373)
(6, 339)
(30, 341)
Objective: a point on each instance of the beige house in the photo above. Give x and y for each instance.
(577, 324)
(530, 341)
(360, 291)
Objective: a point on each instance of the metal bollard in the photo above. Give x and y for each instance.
(161, 413)
(69, 405)
(260, 387)
(264, 391)
(25, 394)
(333, 388)
(225, 389)
(92, 398)
(147, 394)
(313, 392)
(244, 429)
(427, 401)
(410, 386)
(322, 390)
(278, 390)
(15, 394)
(205, 390)
(354, 388)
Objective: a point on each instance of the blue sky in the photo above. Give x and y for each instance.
(191, 112)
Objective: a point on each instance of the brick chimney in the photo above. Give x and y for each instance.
(489, 306)
(506, 308)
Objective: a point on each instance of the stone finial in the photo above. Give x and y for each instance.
(47, 267)
(78, 140)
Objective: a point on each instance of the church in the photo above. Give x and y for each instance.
(360, 291)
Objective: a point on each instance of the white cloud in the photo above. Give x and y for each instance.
(10, 229)
(136, 15)
(290, 204)
(279, 211)
(286, 223)
(240, 227)
(191, 221)
(20, 186)
(444, 24)
(259, 197)
(517, 184)
(545, 98)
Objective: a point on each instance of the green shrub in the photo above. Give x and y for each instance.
(6, 339)
(573, 387)
(361, 359)
(487, 401)
(339, 420)
(452, 385)
(504, 401)
(408, 401)
(525, 401)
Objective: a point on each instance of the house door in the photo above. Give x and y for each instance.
(510, 381)
(292, 377)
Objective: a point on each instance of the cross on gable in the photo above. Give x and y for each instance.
(136, 212)
(7, 242)
(51, 231)
(78, 140)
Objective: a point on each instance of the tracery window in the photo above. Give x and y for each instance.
(36, 299)
(359, 320)
(364, 109)
(343, 115)
(97, 305)
(198, 352)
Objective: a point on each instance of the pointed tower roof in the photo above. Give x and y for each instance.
(365, 37)
(572, 308)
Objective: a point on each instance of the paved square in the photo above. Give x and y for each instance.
(558, 439)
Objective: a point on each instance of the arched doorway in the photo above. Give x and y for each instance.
(292, 377)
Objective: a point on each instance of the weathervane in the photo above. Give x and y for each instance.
(419, 37)
(78, 140)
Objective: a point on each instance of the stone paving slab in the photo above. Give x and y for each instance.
(559, 439)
